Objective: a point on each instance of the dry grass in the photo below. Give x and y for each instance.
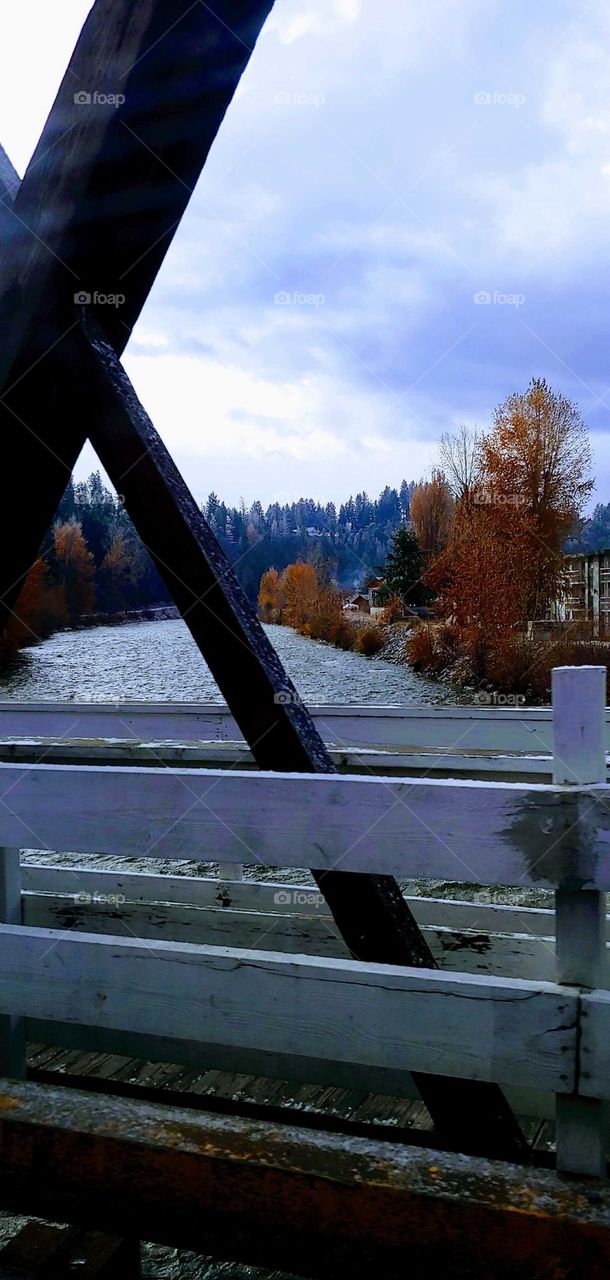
(369, 640)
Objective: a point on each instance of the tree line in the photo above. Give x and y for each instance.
(93, 562)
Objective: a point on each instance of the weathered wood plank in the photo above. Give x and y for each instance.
(486, 833)
(268, 1195)
(527, 730)
(12, 1028)
(275, 897)
(467, 1026)
(230, 755)
(579, 759)
(454, 950)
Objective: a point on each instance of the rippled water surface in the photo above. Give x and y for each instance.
(156, 661)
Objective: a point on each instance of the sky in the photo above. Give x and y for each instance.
(405, 216)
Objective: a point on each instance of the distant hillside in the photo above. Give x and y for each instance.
(594, 533)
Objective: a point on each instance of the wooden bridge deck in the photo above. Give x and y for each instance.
(353, 1111)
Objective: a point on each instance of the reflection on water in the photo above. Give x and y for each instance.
(159, 661)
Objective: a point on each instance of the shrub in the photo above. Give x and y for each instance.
(394, 611)
(369, 640)
(343, 635)
(420, 648)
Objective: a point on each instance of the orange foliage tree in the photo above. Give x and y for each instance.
(503, 565)
(39, 609)
(116, 574)
(432, 514)
(75, 568)
(270, 598)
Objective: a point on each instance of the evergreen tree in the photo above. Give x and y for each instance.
(404, 569)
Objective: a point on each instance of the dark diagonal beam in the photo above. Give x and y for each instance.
(96, 212)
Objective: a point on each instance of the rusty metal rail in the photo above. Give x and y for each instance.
(262, 1193)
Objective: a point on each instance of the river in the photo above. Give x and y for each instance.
(159, 661)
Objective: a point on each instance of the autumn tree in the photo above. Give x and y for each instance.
(270, 596)
(504, 565)
(39, 609)
(300, 589)
(75, 568)
(431, 515)
(536, 477)
(116, 576)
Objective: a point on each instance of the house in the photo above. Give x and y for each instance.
(587, 595)
(360, 602)
(372, 587)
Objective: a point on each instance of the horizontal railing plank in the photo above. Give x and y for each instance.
(456, 951)
(278, 1195)
(276, 896)
(496, 728)
(482, 832)
(468, 1026)
(230, 755)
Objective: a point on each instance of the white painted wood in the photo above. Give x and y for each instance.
(458, 951)
(373, 1015)
(230, 871)
(12, 1027)
(595, 1044)
(274, 896)
(487, 833)
(579, 695)
(496, 728)
(579, 758)
(517, 766)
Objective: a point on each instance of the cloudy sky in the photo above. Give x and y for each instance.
(405, 216)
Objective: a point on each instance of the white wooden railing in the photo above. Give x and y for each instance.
(254, 973)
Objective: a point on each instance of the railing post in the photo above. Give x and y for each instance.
(230, 871)
(12, 1029)
(579, 759)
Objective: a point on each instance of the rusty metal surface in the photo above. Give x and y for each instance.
(260, 1193)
